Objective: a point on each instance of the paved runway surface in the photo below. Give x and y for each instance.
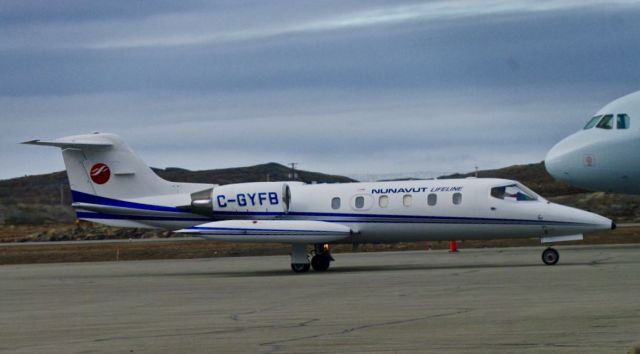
(491, 300)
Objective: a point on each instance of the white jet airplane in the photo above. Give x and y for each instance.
(113, 186)
(603, 156)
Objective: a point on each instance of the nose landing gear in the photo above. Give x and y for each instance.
(550, 256)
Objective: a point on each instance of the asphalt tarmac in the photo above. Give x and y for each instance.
(479, 300)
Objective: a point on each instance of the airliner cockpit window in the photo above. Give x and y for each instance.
(623, 121)
(592, 122)
(512, 192)
(606, 122)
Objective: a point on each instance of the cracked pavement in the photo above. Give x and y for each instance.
(480, 300)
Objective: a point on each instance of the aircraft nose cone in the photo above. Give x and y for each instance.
(601, 223)
(577, 221)
(593, 223)
(556, 164)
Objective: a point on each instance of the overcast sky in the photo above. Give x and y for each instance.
(382, 88)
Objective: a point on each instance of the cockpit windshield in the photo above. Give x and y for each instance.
(592, 122)
(623, 121)
(607, 121)
(513, 192)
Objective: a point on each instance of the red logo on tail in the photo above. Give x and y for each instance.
(100, 173)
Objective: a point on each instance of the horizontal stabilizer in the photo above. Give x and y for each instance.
(286, 231)
(71, 143)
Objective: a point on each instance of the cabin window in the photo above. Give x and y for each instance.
(335, 203)
(592, 122)
(457, 198)
(606, 122)
(623, 121)
(432, 199)
(407, 199)
(362, 202)
(512, 193)
(383, 201)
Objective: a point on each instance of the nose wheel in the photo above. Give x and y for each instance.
(550, 256)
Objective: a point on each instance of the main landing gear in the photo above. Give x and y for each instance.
(320, 261)
(550, 256)
(321, 258)
(300, 267)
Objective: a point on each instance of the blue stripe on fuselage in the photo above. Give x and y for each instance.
(329, 217)
(81, 197)
(102, 216)
(424, 220)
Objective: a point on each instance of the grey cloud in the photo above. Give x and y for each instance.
(82, 11)
(170, 24)
(367, 93)
(338, 132)
(511, 50)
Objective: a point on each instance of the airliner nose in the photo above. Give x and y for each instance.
(556, 162)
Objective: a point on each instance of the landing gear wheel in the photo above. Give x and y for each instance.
(550, 256)
(300, 267)
(320, 262)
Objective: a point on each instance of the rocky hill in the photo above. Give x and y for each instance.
(53, 188)
(46, 198)
(260, 173)
(533, 175)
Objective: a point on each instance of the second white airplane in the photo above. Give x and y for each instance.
(113, 186)
(603, 156)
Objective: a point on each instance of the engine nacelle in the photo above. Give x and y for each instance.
(263, 197)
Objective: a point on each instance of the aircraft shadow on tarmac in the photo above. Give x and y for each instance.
(362, 268)
(346, 269)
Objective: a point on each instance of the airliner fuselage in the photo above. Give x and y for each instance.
(603, 156)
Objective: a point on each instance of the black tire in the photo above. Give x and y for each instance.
(550, 256)
(320, 262)
(300, 267)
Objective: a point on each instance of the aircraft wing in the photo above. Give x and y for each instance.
(285, 231)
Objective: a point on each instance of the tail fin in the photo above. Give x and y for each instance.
(103, 165)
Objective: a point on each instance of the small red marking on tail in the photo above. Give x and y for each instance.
(100, 173)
